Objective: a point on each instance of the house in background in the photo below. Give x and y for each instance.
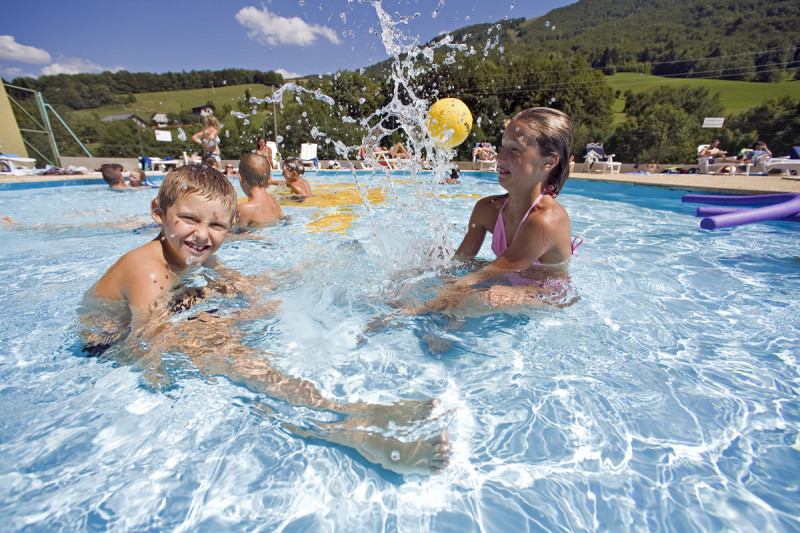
(136, 118)
(160, 120)
(203, 110)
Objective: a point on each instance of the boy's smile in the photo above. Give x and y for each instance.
(193, 228)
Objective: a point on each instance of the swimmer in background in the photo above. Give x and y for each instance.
(112, 174)
(530, 229)
(138, 179)
(209, 138)
(230, 172)
(293, 171)
(260, 209)
(127, 313)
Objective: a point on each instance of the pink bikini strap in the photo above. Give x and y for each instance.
(579, 239)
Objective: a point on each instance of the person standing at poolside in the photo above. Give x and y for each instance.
(260, 208)
(209, 138)
(530, 229)
(263, 149)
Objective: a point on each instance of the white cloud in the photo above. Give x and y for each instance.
(288, 75)
(269, 28)
(74, 65)
(10, 72)
(11, 50)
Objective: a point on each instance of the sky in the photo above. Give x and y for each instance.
(292, 37)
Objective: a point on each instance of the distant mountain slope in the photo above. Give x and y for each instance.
(745, 39)
(721, 39)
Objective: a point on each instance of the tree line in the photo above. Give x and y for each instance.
(88, 91)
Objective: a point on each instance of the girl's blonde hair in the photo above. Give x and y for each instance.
(196, 179)
(552, 133)
(212, 121)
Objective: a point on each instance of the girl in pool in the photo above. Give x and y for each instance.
(530, 229)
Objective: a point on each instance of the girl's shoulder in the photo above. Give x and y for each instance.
(494, 202)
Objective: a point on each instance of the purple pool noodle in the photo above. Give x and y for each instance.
(788, 208)
(711, 211)
(751, 201)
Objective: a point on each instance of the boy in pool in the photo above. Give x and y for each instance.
(293, 171)
(260, 208)
(112, 174)
(195, 208)
(530, 229)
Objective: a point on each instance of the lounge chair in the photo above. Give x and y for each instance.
(483, 165)
(13, 162)
(385, 159)
(786, 164)
(595, 153)
(276, 165)
(308, 155)
(705, 166)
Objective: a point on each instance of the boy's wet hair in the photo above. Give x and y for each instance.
(196, 179)
(552, 133)
(112, 173)
(295, 165)
(254, 170)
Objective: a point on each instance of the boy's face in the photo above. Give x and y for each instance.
(194, 227)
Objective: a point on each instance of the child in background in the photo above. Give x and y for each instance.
(138, 178)
(112, 174)
(131, 301)
(260, 208)
(293, 171)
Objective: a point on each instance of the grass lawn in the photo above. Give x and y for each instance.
(735, 96)
(148, 104)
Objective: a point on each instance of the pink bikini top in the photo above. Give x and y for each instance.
(499, 239)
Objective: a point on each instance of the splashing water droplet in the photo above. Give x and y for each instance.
(395, 455)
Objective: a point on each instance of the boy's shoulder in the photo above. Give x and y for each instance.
(143, 268)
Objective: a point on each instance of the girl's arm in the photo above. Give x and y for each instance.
(479, 223)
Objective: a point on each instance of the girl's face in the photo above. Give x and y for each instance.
(520, 165)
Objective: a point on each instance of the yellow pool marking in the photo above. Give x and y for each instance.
(335, 195)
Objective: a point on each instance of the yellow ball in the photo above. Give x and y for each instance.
(450, 121)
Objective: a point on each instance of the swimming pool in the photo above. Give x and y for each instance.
(665, 399)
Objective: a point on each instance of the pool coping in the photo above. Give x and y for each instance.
(717, 183)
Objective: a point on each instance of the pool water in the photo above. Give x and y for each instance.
(665, 399)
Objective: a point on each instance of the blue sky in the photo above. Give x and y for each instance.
(293, 37)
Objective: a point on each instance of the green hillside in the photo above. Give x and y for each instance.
(735, 96)
(147, 104)
(732, 39)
